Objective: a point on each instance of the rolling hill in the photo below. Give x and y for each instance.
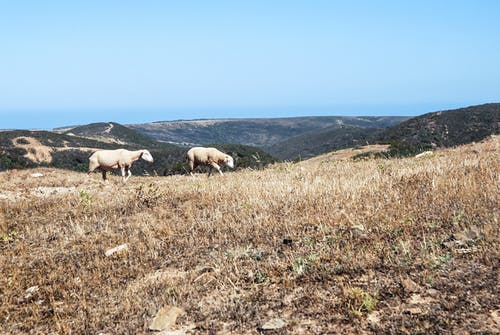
(263, 132)
(444, 128)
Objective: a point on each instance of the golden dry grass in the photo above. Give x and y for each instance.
(337, 246)
(343, 154)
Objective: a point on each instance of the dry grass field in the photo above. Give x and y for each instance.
(401, 246)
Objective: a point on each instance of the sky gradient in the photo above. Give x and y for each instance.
(69, 62)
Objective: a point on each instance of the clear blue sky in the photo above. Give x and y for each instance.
(74, 62)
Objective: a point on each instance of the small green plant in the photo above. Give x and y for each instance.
(458, 218)
(299, 266)
(304, 264)
(359, 301)
(445, 259)
(369, 303)
(86, 198)
(382, 167)
(246, 205)
(429, 281)
(259, 277)
(8, 237)
(436, 261)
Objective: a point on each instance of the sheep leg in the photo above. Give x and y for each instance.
(104, 175)
(122, 168)
(192, 166)
(217, 167)
(128, 172)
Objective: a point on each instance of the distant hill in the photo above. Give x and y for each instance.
(26, 149)
(263, 132)
(443, 129)
(112, 132)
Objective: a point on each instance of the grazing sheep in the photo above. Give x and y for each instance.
(108, 160)
(210, 157)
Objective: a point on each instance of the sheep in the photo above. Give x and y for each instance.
(108, 160)
(210, 157)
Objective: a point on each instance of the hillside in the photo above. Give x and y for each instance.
(446, 128)
(255, 132)
(320, 141)
(21, 149)
(27, 149)
(112, 132)
(428, 131)
(406, 246)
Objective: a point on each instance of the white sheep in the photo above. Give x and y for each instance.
(209, 157)
(108, 160)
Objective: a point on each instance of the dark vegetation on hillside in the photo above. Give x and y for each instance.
(321, 141)
(12, 157)
(441, 129)
(425, 132)
(255, 132)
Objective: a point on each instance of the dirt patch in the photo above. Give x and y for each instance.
(48, 191)
(39, 153)
(75, 148)
(10, 196)
(167, 275)
(35, 151)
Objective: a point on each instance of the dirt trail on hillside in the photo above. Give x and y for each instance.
(108, 130)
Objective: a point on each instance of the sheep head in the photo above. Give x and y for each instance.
(146, 156)
(228, 160)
